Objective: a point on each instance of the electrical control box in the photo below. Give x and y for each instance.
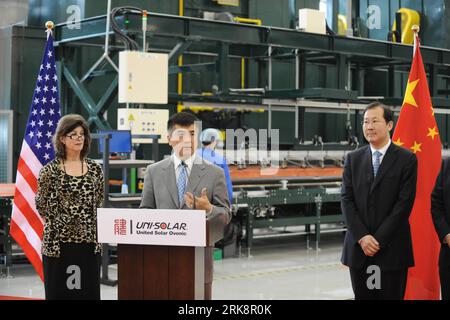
(310, 20)
(143, 77)
(144, 121)
(234, 3)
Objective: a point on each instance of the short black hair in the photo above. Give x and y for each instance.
(388, 114)
(184, 119)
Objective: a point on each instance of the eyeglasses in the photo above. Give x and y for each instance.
(76, 136)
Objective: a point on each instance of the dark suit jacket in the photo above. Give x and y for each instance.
(380, 207)
(440, 210)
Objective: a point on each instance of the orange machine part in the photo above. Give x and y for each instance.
(254, 172)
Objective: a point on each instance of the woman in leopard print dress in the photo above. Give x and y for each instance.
(70, 189)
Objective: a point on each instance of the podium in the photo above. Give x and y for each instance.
(155, 270)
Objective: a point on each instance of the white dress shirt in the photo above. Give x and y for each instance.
(189, 162)
(383, 151)
(177, 161)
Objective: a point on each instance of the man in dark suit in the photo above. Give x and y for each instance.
(440, 210)
(378, 191)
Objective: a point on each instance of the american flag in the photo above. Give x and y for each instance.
(37, 150)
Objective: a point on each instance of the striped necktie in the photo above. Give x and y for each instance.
(376, 163)
(181, 183)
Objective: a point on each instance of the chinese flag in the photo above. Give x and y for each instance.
(417, 131)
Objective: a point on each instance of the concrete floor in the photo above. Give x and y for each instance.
(278, 268)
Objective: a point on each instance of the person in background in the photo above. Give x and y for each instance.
(211, 139)
(440, 211)
(70, 189)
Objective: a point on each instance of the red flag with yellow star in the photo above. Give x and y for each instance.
(417, 131)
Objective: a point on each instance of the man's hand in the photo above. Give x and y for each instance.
(201, 203)
(447, 240)
(369, 245)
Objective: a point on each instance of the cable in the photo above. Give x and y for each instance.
(128, 41)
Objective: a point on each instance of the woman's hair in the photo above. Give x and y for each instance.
(67, 124)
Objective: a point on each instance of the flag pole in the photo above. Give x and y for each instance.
(415, 28)
(49, 25)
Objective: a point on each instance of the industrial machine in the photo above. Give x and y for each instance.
(273, 191)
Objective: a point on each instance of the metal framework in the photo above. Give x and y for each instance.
(179, 35)
(317, 196)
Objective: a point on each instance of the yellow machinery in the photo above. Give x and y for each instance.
(409, 18)
(342, 24)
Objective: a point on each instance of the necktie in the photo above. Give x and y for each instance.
(181, 183)
(376, 163)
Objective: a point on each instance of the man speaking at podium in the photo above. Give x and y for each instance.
(186, 181)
